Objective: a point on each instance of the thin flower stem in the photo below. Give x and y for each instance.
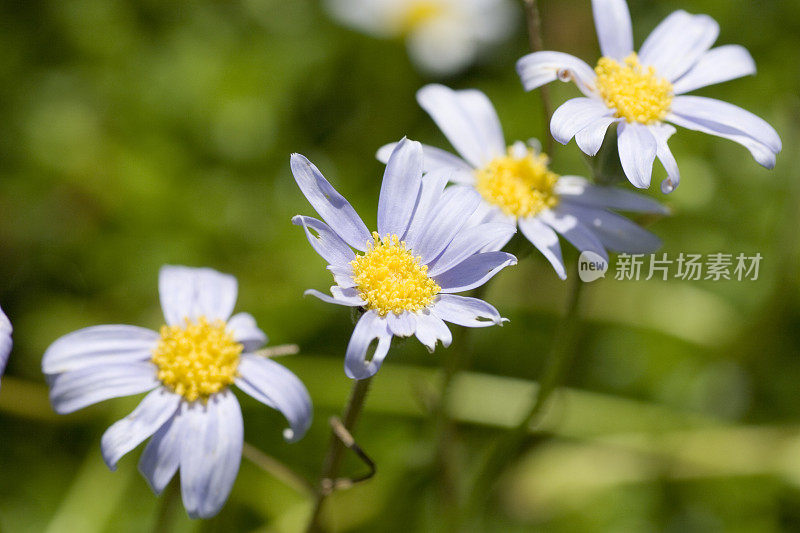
(277, 469)
(537, 45)
(279, 350)
(165, 519)
(557, 362)
(333, 458)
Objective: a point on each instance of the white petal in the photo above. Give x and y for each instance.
(678, 42)
(400, 188)
(581, 236)
(98, 345)
(432, 159)
(540, 68)
(442, 46)
(431, 328)
(331, 206)
(274, 385)
(75, 390)
(545, 240)
(342, 275)
(5, 340)
(474, 271)
(484, 116)
(348, 298)
(402, 325)
(617, 233)
(210, 454)
(462, 120)
(470, 241)
(246, 331)
(590, 138)
(153, 412)
(189, 293)
(662, 133)
(369, 327)
(612, 20)
(576, 114)
(637, 151)
(727, 118)
(465, 311)
(433, 184)
(577, 190)
(446, 219)
(326, 242)
(719, 64)
(162, 455)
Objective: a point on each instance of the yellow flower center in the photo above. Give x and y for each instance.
(637, 93)
(391, 279)
(520, 186)
(197, 360)
(418, 13)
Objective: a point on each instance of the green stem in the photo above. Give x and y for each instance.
(165, 518)
(534, 22)
(275, 468)
(557, 362)
(335, 454)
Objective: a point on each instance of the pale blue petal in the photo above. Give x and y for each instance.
(465, 311)
(274, 385)
(210, 453)
(575, 115)
(471, 241)
(577, 190)
(637, 151)
(331, 206)
(540, 68)
(474, 271)
(400, 188)
(326, 242)
(342, 275)
(99, 345)
(153, 412)
(612, 20)
(5, 340)
(433, 185)
(348, 297)
(246, 331)
(677, 43)
(433, 159)
(369, 328)
(194, 292)
(590, 138)
(402, 325)
(446, 219)
(162, 455)
(581, 236)
(616, 232)
(75, 390)
(545, 240)
(430, 329)
(662, 133)
(719, 64)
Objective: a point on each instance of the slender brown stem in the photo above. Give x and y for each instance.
(277, 469)
(537, 45)
(333, 458)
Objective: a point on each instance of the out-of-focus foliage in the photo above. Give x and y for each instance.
(141, 133)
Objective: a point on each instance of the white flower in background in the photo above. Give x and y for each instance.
(431, 243)
(5, 340)
(641, 93)
(188, 367)
(517, 186)
(443, 36)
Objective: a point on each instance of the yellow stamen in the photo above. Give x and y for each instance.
(197, 360)
(636, 93)
(520, 186)
(391, 279)
(418, 13)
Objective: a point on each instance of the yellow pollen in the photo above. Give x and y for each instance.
(391, 279)
(197, 360)
(418, 13)
(636, 93)
(520, 186)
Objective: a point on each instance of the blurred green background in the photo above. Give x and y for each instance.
(136, 134)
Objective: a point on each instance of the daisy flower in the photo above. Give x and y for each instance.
(5, 340)
(431, 243)
(517, 187)
(188, 367)
(642, 92)
(443, 36)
